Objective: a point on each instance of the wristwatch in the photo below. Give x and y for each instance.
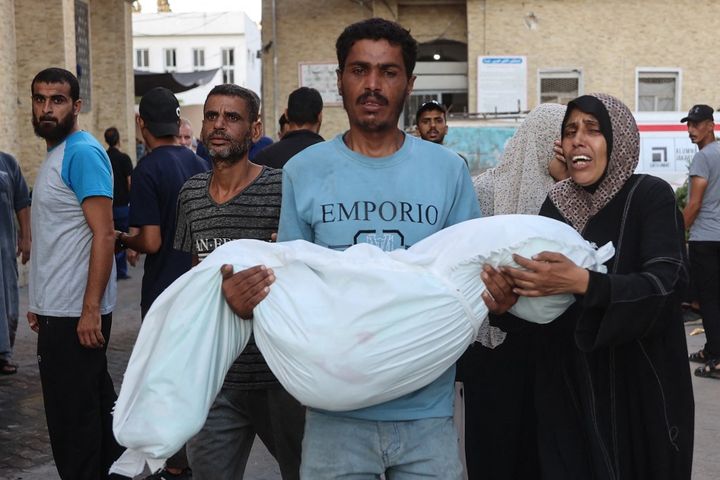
(120, 242)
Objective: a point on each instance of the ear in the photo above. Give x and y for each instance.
(140, 122)
(410, 85)
(77, 106)
(256, 130)
(338, 72)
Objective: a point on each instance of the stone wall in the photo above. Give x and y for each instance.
(38, 46)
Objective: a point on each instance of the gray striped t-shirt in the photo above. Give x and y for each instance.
(203, 225)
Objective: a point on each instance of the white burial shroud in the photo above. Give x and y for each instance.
(340, 330)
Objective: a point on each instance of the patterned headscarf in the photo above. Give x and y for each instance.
(578, 204)
(520, 182)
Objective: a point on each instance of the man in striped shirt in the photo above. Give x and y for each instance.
(237, 199)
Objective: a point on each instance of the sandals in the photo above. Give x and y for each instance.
(699, 356)
(7, 368)
(710, 370)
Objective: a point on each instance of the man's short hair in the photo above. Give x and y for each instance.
(430, 106)
(112, 136)
(304, 106)
(377, 29)
(58, 75)
(185, 121)
(231, 90)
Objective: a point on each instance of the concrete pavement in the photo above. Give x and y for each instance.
(24, 446)
(25, 450)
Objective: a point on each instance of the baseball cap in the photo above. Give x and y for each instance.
(430, 105)
(160, 111)
(699, 113)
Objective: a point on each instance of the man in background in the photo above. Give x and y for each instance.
(186, 138)
(304, 115)
(702, 217)
(14, 203)
(431, 121)
(122, 168)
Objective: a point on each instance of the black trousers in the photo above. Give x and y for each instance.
(705, 270)
(79, 396)
(500, 433)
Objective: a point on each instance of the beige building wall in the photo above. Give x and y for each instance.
(608, 41)
(8, 87)
(306, 31)
(37, 46)
(113, 84)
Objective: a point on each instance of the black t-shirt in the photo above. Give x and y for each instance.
(122, 168)
(156, 183)
(277, 154)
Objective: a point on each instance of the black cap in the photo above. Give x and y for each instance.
(698, 113)
(160, 111)
(430, 105)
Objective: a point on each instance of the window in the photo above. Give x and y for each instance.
(559, 86)
(170, 59)
(198, 58)
(658, 90)
(142, 58)
(228, 65)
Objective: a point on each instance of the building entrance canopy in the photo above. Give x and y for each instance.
(174, 81)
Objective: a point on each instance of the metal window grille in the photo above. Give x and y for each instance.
(559, 89)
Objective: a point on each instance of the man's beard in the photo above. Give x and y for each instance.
(56, 132)
(373, 124)
(231, 154)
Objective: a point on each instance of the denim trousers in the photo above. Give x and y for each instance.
(345, 448)
(221, 449)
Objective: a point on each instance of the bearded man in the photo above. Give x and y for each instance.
(72, 280)
(237, 199)
(373, 184)
(156, 183)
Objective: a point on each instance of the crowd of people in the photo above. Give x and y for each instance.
(602, 392)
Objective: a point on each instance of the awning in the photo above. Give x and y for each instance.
(174, 81)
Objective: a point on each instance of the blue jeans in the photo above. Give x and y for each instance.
(351, 449)
(220, 450)
(121, 218)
